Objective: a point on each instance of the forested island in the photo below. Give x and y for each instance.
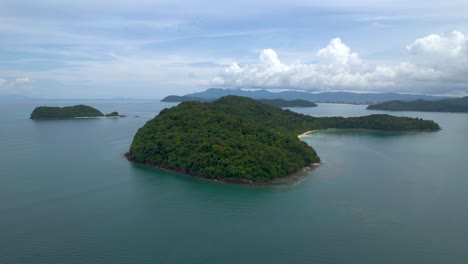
(242, 140)
(76, 111)
(446, 105)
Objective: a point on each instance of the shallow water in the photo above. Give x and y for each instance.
(67, 195)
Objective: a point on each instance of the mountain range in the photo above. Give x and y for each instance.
(324, 97)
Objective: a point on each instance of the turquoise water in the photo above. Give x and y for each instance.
(67, 195)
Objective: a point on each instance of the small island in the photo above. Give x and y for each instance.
(446, 105)
(238, 139)
(76, 111)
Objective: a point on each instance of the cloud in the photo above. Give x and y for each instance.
(62, 43)
(127, 76)
(452, 44)
(447, 54)
(436, 64)
(22, 80)
(18, 86)
(337, 67)
(337, 53)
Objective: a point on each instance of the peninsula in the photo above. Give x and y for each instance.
(76, 111)
(239, 139)
(446, 105)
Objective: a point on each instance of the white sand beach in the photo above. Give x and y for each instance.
(307, 132)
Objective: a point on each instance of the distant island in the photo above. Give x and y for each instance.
(271, 102)
(76, 111)
(323, 97)
(238, 139)
(446, 105)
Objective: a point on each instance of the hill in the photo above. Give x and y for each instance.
(240, 139)
(49, 112)
(447, 105)
(324, 97)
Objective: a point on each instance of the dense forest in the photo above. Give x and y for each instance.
(50, 112)
(241, 138)
(446, 105)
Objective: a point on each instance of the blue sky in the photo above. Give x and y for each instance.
(150, 49)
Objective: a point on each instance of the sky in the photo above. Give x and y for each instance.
(151, 49)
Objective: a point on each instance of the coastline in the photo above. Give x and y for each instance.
(291, 178)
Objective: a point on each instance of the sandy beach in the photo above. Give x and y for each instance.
(307, 132)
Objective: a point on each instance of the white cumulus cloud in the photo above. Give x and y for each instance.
(17, 86)
(450, 45)
(435, 64)
(337, 53)
(22, 80)
(445, 54)
(338, 67)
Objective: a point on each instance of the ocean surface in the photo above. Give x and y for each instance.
(67, 195)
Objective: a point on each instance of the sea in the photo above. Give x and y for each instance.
(68, 195)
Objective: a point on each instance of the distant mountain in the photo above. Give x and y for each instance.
(325, 97)
(446, 105)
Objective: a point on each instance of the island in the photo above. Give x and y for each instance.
(76, 111)
(446, 105)
(113, 114)
(238, 139)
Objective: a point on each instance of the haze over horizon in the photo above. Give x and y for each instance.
(150, 49)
